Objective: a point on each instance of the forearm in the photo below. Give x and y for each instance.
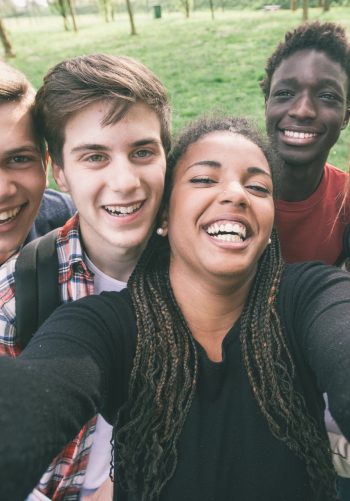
(43, 406)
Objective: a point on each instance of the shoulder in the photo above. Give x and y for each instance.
(58, 198)
(55, 209)
(309, 290)
(108, 312)
(313, 276)
(335, 177)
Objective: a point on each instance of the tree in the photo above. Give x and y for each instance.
(305, 10)
(72, 15)
(293, 5)
(9, 52)
(106, 9)
(131, 18)
(186, 6)
(326, 5)
(211, 5)
(65, 8)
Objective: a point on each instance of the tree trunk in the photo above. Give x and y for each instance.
(211, 5)
(71, 11)
(62, 10)
(319, 3)
(326, 5)
(293, 5)
(305, 10)
(131, 18)
(9, 52)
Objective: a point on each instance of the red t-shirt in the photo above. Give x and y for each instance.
(311, 229)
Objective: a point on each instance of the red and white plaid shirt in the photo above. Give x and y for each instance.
(65, 476)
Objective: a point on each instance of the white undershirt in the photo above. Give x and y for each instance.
(100, 454)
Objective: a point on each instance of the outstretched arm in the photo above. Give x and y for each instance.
(323, 320)
(60, 381)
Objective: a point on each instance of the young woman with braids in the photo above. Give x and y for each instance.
(211, 365)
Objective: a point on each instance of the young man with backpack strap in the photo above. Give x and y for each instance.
(106, 120)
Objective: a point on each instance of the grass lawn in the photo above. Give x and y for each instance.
(206, 65)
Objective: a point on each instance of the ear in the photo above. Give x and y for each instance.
(60, 178)
(346, 118)
(163, 221)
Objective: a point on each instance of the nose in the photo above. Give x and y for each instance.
(123, 176)
(234, 193)
(303, 108)
(7, 186)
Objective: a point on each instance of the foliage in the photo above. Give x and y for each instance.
(205, 64)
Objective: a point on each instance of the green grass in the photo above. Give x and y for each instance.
(206, 65)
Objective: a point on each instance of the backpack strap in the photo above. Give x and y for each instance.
(37, 291)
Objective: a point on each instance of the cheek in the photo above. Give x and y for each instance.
(35, 183)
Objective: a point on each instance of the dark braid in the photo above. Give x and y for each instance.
(162, 383)
(271, 371)
(164, 374)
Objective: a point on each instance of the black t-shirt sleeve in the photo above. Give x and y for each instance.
(320, 301)
(75, 366)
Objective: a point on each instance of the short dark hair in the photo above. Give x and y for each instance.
(329, 38)
(78, 82)
(16, 88)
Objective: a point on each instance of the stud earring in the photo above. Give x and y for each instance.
(160, 231)
(269, 241)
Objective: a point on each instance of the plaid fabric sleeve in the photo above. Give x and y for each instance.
(8, 341)
(64, 478)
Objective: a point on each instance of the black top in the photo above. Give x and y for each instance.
(80, 360)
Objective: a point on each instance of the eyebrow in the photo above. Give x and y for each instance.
(102, 147)
(23, 149)
(320, 83)
(216, 165)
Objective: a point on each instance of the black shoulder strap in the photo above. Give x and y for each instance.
(37, 291)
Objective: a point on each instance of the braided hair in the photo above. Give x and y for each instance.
(165, 369)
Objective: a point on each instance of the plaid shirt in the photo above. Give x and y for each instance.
(65, 476)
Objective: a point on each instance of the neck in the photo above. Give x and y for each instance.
(210, 309)
(297, 183)
(115, 265)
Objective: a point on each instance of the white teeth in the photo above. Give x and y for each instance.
(299, 135)
(227, 237)
(9, 214)
(229, 232)
(122, 210)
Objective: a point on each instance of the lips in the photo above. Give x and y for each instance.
(9, 215)
(123, 210)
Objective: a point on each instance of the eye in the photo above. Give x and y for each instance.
(21, 160)
(283, 93)
(329, 96)
(142, 153)
(96, 157)
(202, 180)
(258, 189)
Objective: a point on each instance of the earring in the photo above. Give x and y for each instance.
(269, 241)
(160, 231)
